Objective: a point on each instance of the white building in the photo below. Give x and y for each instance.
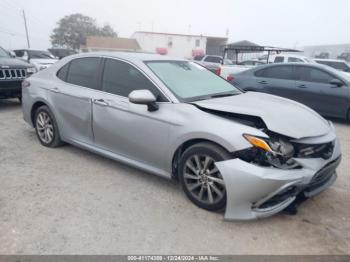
(178, 45)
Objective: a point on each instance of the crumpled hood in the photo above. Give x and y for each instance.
(282, 116)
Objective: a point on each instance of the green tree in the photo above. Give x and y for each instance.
(72, 30)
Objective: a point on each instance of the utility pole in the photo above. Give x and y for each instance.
(26, 27)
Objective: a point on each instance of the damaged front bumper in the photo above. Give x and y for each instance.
(256, 192)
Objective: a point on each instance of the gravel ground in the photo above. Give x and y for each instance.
(69, 201)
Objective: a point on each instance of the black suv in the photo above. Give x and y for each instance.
(12, 73)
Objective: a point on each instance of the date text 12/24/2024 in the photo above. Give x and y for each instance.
(173, 258)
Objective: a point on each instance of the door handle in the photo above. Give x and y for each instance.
(55, 90)
(101, 102)
(302, 86)
(262, 82)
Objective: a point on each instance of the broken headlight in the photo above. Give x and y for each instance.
(274, 151)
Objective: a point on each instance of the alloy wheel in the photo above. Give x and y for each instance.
(45, 127)
(203, 179)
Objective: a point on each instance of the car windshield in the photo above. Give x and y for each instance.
(3, 53)
(40, 54)
(191, 82)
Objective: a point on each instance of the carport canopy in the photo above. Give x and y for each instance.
(250, 47)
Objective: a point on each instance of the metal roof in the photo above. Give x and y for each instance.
(173, 34)
(245, 46)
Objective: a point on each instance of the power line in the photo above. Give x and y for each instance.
(5, 31)
(18, 11)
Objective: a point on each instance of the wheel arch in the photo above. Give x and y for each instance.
(34, 108)
(187, 144)
(347, 117)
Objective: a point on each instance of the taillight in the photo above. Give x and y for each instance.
(218, 71)
(25, 83)
(230, 78)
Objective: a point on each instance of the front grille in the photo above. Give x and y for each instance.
(324, 151)
(13, 74)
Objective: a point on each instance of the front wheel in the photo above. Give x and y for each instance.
(201, 180)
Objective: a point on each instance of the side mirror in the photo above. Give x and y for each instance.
(12, 54)
(144, 97)
(336, 82)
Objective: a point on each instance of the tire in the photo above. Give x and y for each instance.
(46, 128)
(204, 186)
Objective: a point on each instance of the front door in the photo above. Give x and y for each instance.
(315, 91)
(127, 129)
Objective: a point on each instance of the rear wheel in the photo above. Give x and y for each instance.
(46, 128)
(200, 178)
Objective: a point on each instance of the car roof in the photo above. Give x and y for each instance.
(314, 65)
(290, 55)
(130, 56)
(330, 60)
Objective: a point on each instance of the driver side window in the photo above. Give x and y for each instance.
(120, 78)
(309, 74)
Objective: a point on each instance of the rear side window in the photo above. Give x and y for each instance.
(198, 58)
(213, 59)
(336, 65)
(279, 59)
(294, 60)
(84, 72)
(121, 79)
(62, 73)
(278, 72)
(247, 63)
(19, 53)
(310, 74)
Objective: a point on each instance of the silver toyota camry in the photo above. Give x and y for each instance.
(250, 154)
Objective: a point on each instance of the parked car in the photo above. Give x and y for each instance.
(289, 58)
(320, 87)
(263, 57)
(344, 56)
(335, 63)
(208, 60)
(12, 73)
(226, 70)
(251, 63)
(41, 59)
(252, 153)
(61, 52)
(323, 55)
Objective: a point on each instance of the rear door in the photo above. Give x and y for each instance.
(78, 82)
(315, 91)
(277, 80)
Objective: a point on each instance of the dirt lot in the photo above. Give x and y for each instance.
(69, 201)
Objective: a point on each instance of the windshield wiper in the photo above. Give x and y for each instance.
(223, 95)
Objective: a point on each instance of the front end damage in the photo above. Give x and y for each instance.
(260, 184)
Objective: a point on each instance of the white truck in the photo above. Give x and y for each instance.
(228, 71)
